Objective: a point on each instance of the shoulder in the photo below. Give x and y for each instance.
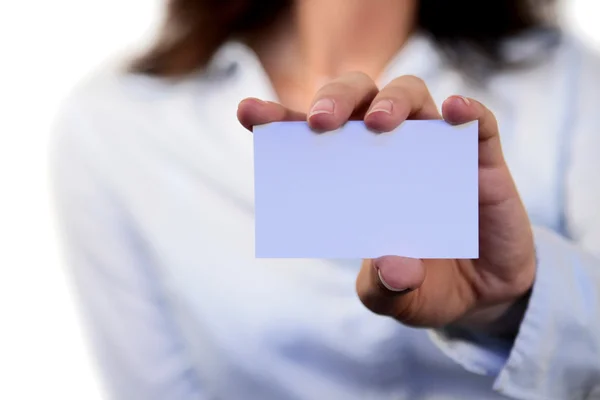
(105, 119)
(111, 90)
(577, 65)
(568, 89)
(586, 75)
(111, 106)
(579, 60)
(570, 70)
(561, 85)
(586, 57)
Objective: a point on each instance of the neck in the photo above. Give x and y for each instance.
(320, 40)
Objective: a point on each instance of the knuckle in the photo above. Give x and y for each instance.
(414, 81)
(408, 87)
(403, 308)
(355, 82)
(484, 110)
(373, 303)
(371, 297)
(357, 76)
(409, 312)
(349, 92)
(399, 93)
(336, 87)
(339, 91)
(490, 115)
(487, 117)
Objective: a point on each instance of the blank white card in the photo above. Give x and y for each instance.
(352, 193)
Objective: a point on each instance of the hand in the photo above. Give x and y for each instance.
(432, 293)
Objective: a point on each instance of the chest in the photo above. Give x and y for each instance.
(191, 190)
(193, 193)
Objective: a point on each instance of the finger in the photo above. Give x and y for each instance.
(404, 98)
(382, 285)
(252, 112)
(459, 110)
(339, 100)
(419, 293)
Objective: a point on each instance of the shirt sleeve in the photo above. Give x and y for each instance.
(139, 353)
(556, 353)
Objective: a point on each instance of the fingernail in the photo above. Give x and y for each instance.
(257, 101)
(322, 106)
(388, 286)
(385, 106)
(465, 100)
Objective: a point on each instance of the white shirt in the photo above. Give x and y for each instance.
(155, 188)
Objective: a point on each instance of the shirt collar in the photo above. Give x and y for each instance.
(237, 63)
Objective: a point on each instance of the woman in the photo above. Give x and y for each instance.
(154, 177)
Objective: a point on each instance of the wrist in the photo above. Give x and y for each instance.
(506, 323)
(500, 320)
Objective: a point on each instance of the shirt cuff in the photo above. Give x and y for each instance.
(556, 353)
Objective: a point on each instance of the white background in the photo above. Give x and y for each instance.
(46, 46)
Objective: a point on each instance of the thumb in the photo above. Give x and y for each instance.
(388, 285)
(419, 293)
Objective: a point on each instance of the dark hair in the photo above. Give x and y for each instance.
(467, 31)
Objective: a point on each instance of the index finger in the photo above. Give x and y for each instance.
(406, 97)
(341, 99)
(252, 112)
